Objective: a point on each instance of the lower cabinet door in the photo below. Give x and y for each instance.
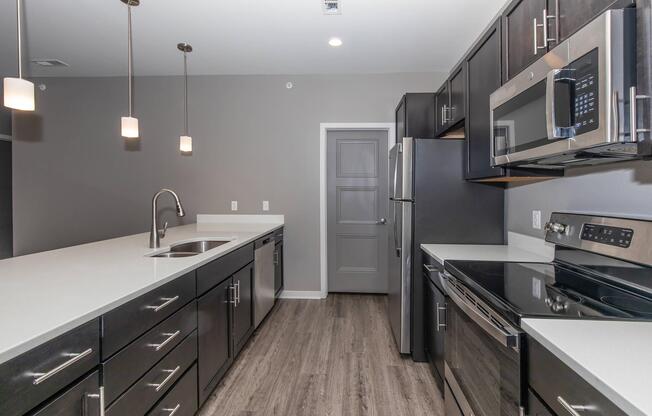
(435, 327)
(243, 313)
(278, 269)
(81, 399)
(214, 342)
(181, 400)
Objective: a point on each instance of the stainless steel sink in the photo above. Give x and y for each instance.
(191, 248)
(196, 246)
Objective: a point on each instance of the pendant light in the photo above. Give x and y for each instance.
(18, 92)
(185, 141)
(129, 125)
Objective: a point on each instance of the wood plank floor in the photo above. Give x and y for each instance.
(325, 357)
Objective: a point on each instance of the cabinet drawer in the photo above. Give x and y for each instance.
(558, 385)
(152, 386)
(216, 271)
(182, 399)
(132, 362)
(125, 323)
(81, 399)
(38, 374)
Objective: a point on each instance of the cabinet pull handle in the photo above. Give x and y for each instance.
(173, 410)
(167, 379)
(167, 301)
(275, 257)
(633, 113)
(437, 310)
(237, 293)
(232, 297)
(430, 268)
(170, 337)
(571, 408)
(41, 377)
(100, 397)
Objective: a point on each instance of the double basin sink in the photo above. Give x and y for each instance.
(191, 248)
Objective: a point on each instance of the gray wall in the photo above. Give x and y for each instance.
(622, 189)
(76, 180)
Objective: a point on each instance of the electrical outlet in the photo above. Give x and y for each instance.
(234, 205)
(536, 219)
(265, 205)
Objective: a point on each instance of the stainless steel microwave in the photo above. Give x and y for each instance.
(570, 107)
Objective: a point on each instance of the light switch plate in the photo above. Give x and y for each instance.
(536, 219)
(234, 205)
(265, 205)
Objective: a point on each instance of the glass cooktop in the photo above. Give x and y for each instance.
(550, 290)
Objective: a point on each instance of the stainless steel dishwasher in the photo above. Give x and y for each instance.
(263, 278)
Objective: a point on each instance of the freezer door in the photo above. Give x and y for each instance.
(399, 272)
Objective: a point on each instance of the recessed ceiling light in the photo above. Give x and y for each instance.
(335, 42)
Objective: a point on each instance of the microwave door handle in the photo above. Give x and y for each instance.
(550, 104)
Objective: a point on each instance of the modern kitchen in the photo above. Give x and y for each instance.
(326, 207)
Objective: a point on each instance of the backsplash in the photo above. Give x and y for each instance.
(623, 189)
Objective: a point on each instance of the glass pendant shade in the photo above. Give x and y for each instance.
(185, 144)
(18, 94)
(130, 127)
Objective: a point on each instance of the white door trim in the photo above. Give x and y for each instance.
(324, 128)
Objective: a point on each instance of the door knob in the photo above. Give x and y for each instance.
(381, 221)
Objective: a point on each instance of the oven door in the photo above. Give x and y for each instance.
(484, 363)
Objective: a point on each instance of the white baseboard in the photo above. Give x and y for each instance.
(301, 294)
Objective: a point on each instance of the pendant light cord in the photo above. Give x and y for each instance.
(185, 90)
(129, 59)
(19, 32)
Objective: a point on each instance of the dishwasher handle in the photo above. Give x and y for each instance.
(269, 239)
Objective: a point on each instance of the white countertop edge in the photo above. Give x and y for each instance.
(583, 372)
(239, 219)
(202, 259)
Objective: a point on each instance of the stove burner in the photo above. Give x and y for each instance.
(629, 304)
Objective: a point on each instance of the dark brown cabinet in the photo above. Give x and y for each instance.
(483, 67)
(435, 326)
(243, 313)
(415, 116)
(278, 268)
(457, 94)
(215, 351)
(524, 41)
(573, 14)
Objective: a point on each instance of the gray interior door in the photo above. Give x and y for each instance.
(357, 210)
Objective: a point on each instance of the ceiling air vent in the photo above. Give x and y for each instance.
(49, 63)
(331, 7)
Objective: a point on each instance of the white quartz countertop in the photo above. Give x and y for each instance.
(614, 357)
(45, 294)
(482, 252)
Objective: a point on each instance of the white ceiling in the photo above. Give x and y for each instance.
(245, 36)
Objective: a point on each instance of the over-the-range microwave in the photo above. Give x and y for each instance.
(573, 106)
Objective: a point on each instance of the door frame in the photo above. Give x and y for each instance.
(324, 128)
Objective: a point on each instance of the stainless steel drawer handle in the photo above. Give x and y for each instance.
(237, 293)
(167, 301)
(438, 310)
(41, 377)
(100, 397)
(571, 408)
(170, 337)
(430, 268)
(167, 379)
(173, 410)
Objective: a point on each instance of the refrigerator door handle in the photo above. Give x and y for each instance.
(395, 176)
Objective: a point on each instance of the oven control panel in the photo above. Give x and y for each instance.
(586, 92)
(613, 236)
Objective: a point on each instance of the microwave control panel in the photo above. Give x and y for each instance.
(613, 236)
(586, 92)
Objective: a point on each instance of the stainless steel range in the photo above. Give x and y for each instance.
(602, 270)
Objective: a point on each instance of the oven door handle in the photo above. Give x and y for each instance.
(507, 336)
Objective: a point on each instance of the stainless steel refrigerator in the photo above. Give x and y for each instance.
(431, 203)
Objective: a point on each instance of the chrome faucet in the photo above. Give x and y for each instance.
(155, 234)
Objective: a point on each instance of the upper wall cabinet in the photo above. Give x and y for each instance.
(415, 116)
(483, 69)
(451, 99)
(533, 27)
